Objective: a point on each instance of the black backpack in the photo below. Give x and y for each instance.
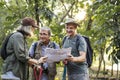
(89, 55)
(3, 51)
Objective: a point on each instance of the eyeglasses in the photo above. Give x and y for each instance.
(43, 34)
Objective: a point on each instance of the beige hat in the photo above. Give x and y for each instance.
(71, 20)
(29, 22)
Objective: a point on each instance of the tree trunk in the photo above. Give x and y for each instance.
(117, 76)
(37, 15)
(100, 61)
(36, 11)
(112, 69)
(89, 24)
(104, 69)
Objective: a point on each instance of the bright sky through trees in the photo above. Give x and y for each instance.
(80, 15)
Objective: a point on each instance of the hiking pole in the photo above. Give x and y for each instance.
(64, 73)
(37, 72)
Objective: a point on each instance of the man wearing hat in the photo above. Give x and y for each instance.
(76, 62)
(15, 66)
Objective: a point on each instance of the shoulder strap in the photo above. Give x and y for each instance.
(34, 48)
(51, 45)
(78, 40)
(35, 45)
(64, 40)
(54, 45)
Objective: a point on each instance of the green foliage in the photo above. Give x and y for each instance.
(106, 27)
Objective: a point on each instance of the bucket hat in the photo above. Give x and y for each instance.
(71, 20)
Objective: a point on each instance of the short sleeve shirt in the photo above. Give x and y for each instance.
(75, 67)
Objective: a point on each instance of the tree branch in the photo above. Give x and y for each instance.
(63, 5)
(8, 7)
(66, 13)
(89, 24)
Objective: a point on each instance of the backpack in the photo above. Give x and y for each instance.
(3, 51)
(89, 54)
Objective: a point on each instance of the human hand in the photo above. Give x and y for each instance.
(70, 57)
(65, 61)
(32, 61)
(38, 67)
(42, 59)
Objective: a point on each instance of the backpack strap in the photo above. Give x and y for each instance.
(52, 45)
(64, 40)
(34, 48)
(78, 40)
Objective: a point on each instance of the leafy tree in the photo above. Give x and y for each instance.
(106, 28)
(101, 24)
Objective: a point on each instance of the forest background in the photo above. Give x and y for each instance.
(99, 20)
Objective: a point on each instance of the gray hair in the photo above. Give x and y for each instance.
(46, 28)
(26, 29)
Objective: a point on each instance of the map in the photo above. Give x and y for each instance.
(56, 55)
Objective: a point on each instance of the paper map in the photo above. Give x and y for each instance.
(55, 55)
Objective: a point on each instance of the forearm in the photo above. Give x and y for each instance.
(32, 61)
(79, 59)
